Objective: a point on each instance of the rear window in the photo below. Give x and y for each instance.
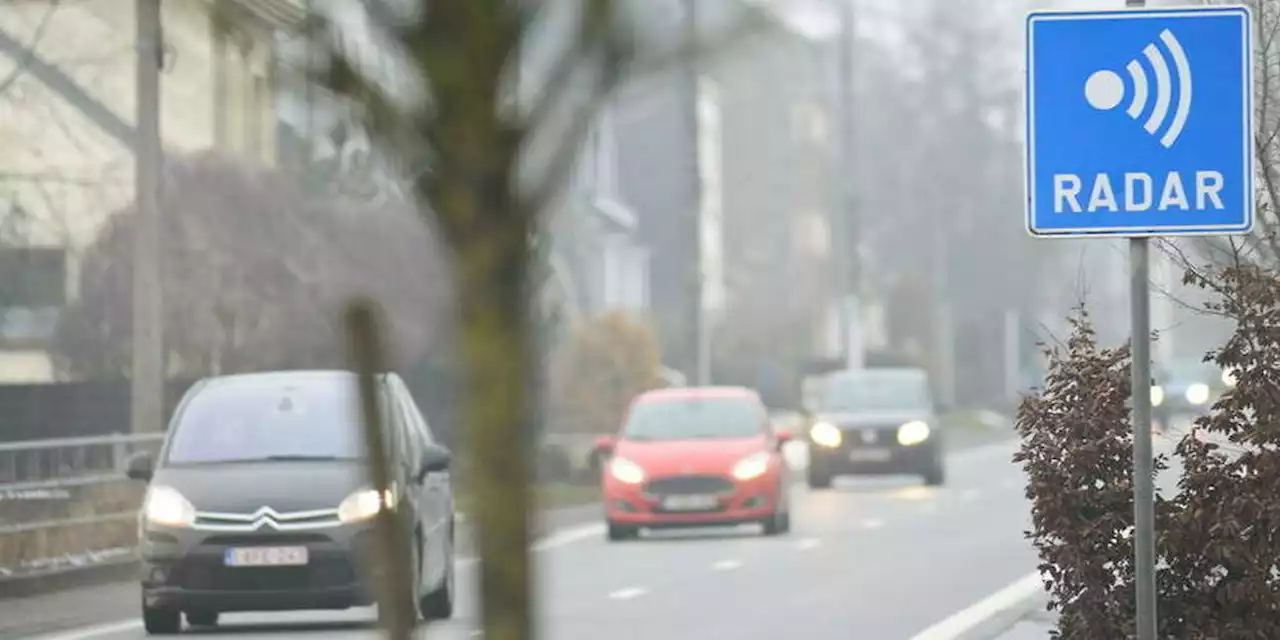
(695, 419)
(257, 420)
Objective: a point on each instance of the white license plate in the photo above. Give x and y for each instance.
(265, 557)
(870, 455)
(689, 503)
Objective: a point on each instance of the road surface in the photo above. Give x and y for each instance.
(874, 558)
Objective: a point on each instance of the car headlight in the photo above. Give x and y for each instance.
(1157, 395)
(1198, 393)
(626, 471)
(913, 433)
(1229, 377)
(752, 466)
(165, 506)
(365, 504)
(825, 434)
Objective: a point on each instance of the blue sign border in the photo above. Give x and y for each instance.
(1028, 101)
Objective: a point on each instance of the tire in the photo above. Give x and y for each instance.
(619, 533)
(161, 621)
(818, 479)
(202, 618)
(438, 604)
(936, 474)
(777, 525)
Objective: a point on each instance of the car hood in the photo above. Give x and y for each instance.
(856, 419)
(245, 487)
(689, 456)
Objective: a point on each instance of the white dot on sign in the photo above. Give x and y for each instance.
(1104, 89)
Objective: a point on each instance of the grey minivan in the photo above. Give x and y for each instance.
(259, 500)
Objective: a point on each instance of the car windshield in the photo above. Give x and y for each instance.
(246, 421)
(695, 419)
(1191, 372)
(868, 391)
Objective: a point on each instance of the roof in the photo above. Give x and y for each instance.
(696, 393)
(279, 377)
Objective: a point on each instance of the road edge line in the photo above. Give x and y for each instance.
(1016, 597)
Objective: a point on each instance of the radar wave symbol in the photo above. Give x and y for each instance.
(1104, 90)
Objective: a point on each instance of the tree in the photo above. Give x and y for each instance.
(254, 272)
(497, 159)
(605, 364)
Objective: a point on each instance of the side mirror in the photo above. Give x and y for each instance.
(140, 467)
(435, 458)
(783, 438)
(605, 445)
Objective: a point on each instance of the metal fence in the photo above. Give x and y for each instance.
(59, 496)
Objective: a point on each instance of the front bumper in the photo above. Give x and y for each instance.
(184, 569)
(884, 457)
(736, 502)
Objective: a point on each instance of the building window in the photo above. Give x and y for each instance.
(33, 289)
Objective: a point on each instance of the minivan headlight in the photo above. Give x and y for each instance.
(165, 506)
(1157, 395)
(825, 434)
(913, 433)
(364, 504)
(626, 471)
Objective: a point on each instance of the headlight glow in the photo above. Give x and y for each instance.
(626, 471)
(364, 504)
(1198, 393)
(825, 434)
(1229, 377)
(165, 506)
(913, 433)
(1157, 395)
(752, 466)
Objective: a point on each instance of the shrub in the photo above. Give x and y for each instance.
(1218, 537)
(605, 363)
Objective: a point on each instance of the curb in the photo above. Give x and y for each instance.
(1005, 619)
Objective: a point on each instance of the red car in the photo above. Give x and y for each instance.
(691, 457)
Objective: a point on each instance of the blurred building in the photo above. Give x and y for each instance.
(66, 106)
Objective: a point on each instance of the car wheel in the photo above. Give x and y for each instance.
(202, 618)
(777, 524)
(936, 475)
(618, 532)
(161, 621)
(438, 604)
(818, 479)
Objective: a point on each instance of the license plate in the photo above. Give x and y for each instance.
(265, 557)
(689, 503)
(870, 455)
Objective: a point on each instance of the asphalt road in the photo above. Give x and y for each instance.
(875, 558)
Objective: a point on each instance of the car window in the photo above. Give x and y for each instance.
(252, 420)
(876, 391)
(416, 417)
(695, 419)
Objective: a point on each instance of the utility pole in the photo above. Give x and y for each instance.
(1144, 503)
(147, 378)
(844, 219)
(697, 305)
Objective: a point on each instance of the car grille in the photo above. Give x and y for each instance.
(686, 485)
(881, 436)
(207, 573)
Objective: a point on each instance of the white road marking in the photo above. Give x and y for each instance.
(969, 494)
(477, 633)
(628, 593)
(726, 565)
(98, 631)
(993, 605)
(931, 507)
(873, 523)
(808, 543)
(569, 536)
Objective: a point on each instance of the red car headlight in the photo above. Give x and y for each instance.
(752, 466)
